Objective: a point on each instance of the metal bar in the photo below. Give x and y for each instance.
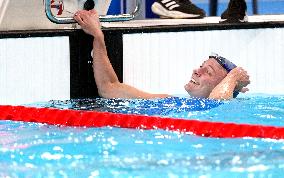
(254, 7)
(104, 18)
(213, 7)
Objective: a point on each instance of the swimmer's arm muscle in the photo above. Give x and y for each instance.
(224, 90)
(106, 79)
(236, 79)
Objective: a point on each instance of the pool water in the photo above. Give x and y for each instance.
(39, 150)
(249, 109)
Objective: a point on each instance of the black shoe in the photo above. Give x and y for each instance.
(177, 9)
(235, 12)
(89, 5)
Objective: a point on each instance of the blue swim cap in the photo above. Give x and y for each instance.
(226, 64)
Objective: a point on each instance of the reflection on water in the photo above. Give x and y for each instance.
(161, 107)
(36, 150)
(39, 150)
(258, 109)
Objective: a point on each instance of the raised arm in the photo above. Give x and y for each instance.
(106, 79)
(236, 80)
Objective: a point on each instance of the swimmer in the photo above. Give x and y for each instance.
(216, 78)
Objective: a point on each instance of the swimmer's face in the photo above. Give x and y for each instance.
(205, 78)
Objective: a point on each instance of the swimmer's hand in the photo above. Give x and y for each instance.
(89, 21)
(242, 79)
(236, 80)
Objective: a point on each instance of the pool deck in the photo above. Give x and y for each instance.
(255, 21)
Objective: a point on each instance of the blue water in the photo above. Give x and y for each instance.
(247, 109)
(38, 150)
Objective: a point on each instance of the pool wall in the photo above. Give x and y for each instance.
(33, 69)
(41, 65)
(163, 62)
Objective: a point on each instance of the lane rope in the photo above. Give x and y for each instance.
(77, 118)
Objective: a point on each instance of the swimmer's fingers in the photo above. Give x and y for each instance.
(89, 21)
(78, 18)
(244, 76)
(94, 12)
(243, 90)
(83, 16)
(242, 83)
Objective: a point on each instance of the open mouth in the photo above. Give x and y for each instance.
(194, 81)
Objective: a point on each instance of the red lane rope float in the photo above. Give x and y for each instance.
(102, 119)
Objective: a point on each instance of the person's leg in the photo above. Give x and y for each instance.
(235, 12)
(177, 9)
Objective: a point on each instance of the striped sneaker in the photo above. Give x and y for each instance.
(177, 9)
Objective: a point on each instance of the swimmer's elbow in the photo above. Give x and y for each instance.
(102, 94)
(107, 90)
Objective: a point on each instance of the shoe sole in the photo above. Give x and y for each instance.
(161, 11)
(245, 19)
